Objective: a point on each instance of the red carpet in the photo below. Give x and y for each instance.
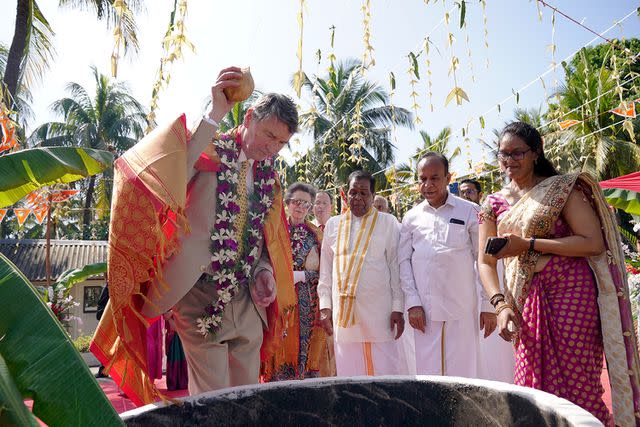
(122, 404)
(119, 401)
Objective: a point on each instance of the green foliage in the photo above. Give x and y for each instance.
(81, 344)
(599, 144)
(331, 121)
(13, 412)
(27, 170)
(42, 361)
(110, 119)
(73, 276)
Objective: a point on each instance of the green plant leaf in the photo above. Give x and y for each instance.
(42, 361)
(481, 122)
(27, 170)
(463, 12)
(627, 200)
(73, 276)
(392, 80)
(414, 65)
(13, 411)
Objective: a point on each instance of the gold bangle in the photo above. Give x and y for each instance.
(503, 307)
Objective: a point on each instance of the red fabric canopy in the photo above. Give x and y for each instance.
(626, 182)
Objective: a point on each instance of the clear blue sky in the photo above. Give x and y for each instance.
(264, 36)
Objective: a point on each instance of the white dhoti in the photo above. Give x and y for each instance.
(407, 351)
(497, 359)
(367, 358)
(448, 348)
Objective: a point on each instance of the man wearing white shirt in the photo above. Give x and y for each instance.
(359, 291)
(437, 252)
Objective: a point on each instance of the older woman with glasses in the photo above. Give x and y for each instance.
(306, 239)
(566, 300)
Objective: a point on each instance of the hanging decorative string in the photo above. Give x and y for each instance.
(175, 39)
(356, 135)
(392, 92)
(552, 48)
(457, 92)
(468, 46)
(498, 109)
(298, 77)
(414, 76)
(427, 62)
(367, 57)
(483, 3)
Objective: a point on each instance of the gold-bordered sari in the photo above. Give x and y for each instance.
(535, 214)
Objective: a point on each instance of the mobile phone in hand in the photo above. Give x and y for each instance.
(494, 244)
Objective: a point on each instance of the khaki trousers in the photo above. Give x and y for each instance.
(232, 356)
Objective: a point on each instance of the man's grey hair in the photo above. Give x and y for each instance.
(279, 106)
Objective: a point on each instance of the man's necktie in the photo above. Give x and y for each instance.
(243, 202)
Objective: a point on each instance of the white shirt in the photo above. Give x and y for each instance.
(437, 253)
(378, 292)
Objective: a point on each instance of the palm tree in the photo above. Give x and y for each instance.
(110, 120)
(235, 117)
(31, 48)
(350, 119)
(532, 116)
(440, 144)
(599, 143)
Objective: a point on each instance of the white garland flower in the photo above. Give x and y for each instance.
(223, 216)
(220, 235)
(226, 198)
(219, 276)
(201, 326)
(224, 295)
(254, 252)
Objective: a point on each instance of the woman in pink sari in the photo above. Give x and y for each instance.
(566, 301)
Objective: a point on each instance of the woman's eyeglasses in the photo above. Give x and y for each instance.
(515, 155)
(299, 202)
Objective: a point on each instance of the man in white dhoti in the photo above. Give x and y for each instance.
(359, 289)
(437, 252)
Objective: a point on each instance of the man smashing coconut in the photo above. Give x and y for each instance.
(197, 226)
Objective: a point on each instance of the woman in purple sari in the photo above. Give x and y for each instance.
(566, 301)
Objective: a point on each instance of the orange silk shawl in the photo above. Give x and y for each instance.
(147, 220)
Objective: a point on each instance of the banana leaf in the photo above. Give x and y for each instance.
(42, 361)
(626, 200)
(27, 170)
(13, 411)
(73, 276)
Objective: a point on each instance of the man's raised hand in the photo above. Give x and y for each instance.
(220, 106)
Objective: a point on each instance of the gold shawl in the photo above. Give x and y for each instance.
(147, 219)
(535, 215)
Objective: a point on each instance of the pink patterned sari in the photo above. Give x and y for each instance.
(574, 308)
